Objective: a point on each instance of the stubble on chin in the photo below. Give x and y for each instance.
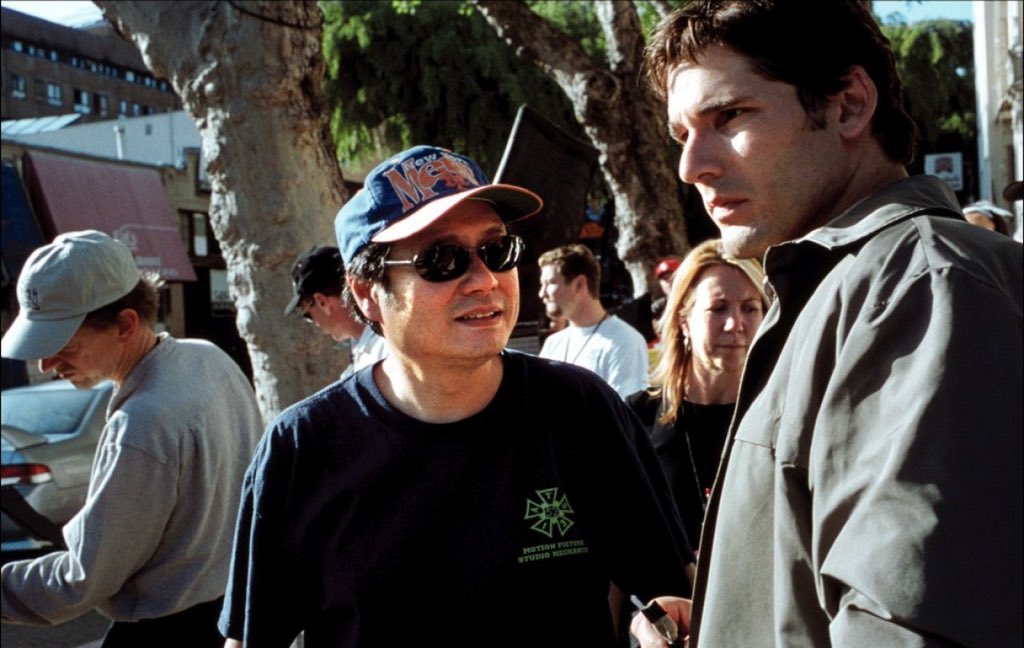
(743, 243)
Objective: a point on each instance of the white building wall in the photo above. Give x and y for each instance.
(157, 139)
(997, 56)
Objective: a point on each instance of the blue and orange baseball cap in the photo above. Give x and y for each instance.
(409, 191)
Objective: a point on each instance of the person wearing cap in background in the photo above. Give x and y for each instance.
(985, 214)
(664, 272)
(151, 547)
(317, 279)
(457, 493)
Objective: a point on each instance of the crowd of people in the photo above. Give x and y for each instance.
(826, 450)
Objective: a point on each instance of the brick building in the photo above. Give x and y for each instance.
(50, 69)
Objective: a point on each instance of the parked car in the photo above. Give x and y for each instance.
(50, 432)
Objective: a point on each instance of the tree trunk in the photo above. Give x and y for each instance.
(622, 117)
(250, 74)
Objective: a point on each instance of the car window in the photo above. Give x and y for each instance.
(48, 413)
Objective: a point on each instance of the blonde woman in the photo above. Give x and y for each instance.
(714, 307)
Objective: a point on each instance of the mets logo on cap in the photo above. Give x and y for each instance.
(415, 179)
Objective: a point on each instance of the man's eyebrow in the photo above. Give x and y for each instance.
(717, 105)
(710, 107)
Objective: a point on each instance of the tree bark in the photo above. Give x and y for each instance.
(250, 74)
(622, 117)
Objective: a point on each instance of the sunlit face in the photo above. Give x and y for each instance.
(765, 175)
(979, 219)
(90, 357)
(557, 294)
(726, 312)
(665, 282)
(470, 317)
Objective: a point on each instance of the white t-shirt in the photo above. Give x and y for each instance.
(611, 348)
(368, 349)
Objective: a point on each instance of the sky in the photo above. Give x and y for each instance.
(74, 14)
(927, 10)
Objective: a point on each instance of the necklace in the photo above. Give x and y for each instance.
(565, 358)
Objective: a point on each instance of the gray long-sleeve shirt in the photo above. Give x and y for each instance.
(871, 492)
(154, 537)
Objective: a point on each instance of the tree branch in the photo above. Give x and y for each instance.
(662, 7)
(535, 40)
(622, 33)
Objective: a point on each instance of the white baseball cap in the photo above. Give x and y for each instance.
(60, 284)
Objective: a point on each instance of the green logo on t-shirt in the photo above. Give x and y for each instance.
(551, 512)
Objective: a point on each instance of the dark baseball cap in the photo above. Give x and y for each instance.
(1014, 191)
(318, 269)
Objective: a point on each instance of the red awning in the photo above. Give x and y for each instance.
(127, 202)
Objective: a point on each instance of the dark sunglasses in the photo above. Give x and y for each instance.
(445, 262)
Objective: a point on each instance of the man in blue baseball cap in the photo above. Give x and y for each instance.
(456, 479)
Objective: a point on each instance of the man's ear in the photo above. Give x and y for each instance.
(366, 298)
(580, 284)
(127, 323)
(857, 102)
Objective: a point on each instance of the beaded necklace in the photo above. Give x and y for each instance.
(584, 346)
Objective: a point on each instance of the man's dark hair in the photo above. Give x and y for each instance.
(144, 299)
(367, 265)
(572, 261)
(810, 44)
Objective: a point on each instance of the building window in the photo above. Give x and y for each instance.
(19, 87)
(129, 76)
(200, 246)
(220, 298)
(17, 46)
(54, 94)
(136, 109)
(122, 107)
(101, 104)
(53, 55)
(82, 103)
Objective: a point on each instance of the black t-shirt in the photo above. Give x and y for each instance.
(688, 451)
(366, 527)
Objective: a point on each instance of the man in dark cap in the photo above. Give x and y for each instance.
(318, 277)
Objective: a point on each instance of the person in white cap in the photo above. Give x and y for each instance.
(457, 493)
(151, 547)
(987, 215)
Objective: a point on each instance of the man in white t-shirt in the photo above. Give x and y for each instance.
(570, 278)
(318, 277)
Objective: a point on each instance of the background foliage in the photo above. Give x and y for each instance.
(935, 59)
(404, 73)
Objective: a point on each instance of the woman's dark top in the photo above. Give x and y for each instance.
(689, 452)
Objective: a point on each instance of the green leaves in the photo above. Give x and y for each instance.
(935, 60)
(408, 72)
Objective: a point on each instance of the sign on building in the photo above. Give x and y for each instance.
(948, 167)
